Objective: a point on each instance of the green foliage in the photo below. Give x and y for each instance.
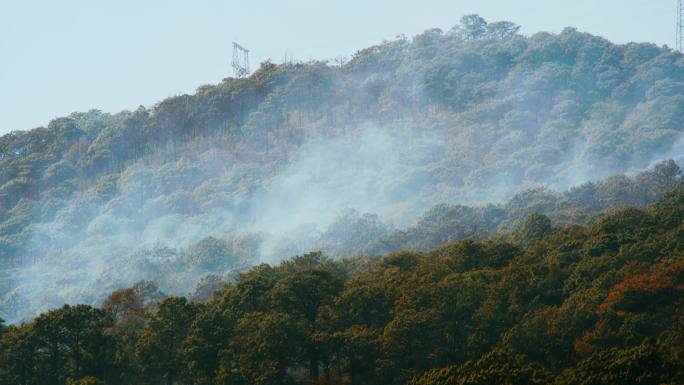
(159, 349)
(515, 109)
(265, 346)
(568, 305)
(508, 293)
(496, 367)
(637, 365)
(211, 254)
(534, 228)
(60, 345)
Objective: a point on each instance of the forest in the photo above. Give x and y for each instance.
(470, 206)
(274, 164)
(599, 304)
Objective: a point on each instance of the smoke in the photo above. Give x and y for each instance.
(149, 221)
(140, 225)
(676, 152)
(384, 171)
(144, 223)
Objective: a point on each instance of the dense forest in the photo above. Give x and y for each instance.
(278, 163)
(574, 305)
(469, 206)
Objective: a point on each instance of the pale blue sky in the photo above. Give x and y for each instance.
(57, 57)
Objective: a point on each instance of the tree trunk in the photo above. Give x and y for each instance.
(313, 366)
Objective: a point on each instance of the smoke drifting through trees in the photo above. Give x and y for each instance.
(265, 165)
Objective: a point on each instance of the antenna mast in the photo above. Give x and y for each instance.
(680, 25)
(241, 60)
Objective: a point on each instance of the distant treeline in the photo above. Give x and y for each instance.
(354, 233)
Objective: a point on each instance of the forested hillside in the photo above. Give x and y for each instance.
(578, 305)
(402, 147)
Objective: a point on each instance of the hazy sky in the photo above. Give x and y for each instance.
(57, 57)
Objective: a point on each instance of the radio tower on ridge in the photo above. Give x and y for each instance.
(241, 60)
(680, 25)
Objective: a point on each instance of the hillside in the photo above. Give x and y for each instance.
(280, 163)
(578, 305)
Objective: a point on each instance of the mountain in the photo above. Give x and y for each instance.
(300, 156)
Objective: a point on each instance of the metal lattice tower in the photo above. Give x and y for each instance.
(241, 60)
(680, 25)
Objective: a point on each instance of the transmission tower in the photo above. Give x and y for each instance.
(680, 25)
(240, 61)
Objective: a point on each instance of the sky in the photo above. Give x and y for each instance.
(57, 57)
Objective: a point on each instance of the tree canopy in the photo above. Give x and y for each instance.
(598, 304)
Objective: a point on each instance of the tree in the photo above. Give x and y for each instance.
(653, 183)
(72, 343)
(637, 365)
(265, 345)
(474, 27)
(211, 254)
(535, 227)
(207, 341)
(496, 367)
(18, 355)
(127, 310)
(502, 30)
(159, 350)
(302, 294)
(251, 292)
(83, 333)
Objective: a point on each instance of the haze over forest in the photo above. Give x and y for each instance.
(477, 132)
(266, 163)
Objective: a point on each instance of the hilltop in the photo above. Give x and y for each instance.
(278, 163)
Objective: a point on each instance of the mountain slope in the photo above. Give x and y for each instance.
(269, 162)
(599, 304)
